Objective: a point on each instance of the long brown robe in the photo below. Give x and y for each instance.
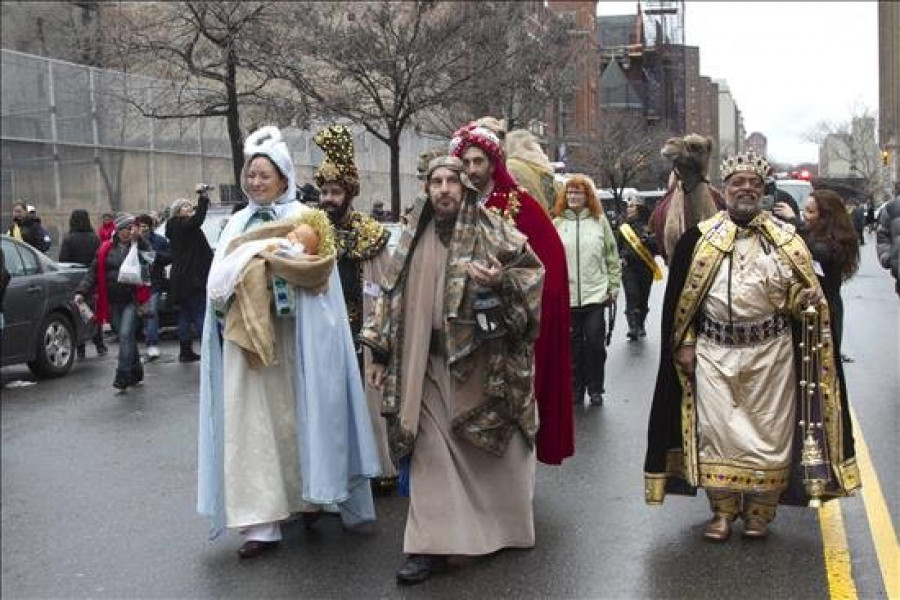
(463, 500)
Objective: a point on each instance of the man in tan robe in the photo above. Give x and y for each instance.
(458, 380)
(726, 406)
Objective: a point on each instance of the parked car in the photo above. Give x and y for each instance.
(42, 323)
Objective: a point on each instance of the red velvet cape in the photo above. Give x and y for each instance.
(553, 364)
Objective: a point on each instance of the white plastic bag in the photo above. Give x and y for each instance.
(130, 271)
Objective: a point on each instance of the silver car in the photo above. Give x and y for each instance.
(42, 324)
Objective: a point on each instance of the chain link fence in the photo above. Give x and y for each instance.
(69, 140)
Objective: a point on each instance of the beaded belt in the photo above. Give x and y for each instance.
(744, 333)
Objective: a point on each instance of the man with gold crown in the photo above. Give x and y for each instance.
(742, 303)
(362, 257)
(481, 151)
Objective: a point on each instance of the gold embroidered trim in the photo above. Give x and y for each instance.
(654, 488)
(743, 479)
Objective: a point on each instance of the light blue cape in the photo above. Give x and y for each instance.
(334, 433)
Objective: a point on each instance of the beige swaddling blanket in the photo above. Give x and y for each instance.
(249, 321)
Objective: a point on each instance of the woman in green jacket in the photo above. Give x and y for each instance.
(595, 276)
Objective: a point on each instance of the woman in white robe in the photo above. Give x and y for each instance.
(293, 437)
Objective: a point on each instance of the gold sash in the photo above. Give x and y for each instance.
(641, 250)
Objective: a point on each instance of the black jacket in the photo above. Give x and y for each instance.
(160, 246)
(191, 254)
(79, 247)
(33, 233)
(117, 293)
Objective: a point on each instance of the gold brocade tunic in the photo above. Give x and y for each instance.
(746, 394)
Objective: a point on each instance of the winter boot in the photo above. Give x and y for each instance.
(187, 353)
(633, 330)
(121, 380)
(137, 374)
(578, 394)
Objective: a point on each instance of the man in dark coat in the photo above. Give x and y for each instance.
(191, 259)
(26, 226)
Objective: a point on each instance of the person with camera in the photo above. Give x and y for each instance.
(191, 259)
(116, 301)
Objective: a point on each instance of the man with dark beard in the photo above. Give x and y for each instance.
(727, 406)
(458, 380)
(362, 257)
(481, 150)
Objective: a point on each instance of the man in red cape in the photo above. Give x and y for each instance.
(482, 154)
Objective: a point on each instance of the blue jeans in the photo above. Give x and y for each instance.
(151, 323)
(125, 321)
(191, 311)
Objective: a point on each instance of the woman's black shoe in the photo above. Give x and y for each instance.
(137, 375)
(419, 567)
(254, 548)
(120, 382)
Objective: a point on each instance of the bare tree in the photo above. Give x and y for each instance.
(852, 141)
(389, 65)
(625, 154)
(378, 64)
(204, 56)
(538, 56)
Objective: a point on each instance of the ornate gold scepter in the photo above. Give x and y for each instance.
(814, 456)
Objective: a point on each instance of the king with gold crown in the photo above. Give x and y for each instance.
(727, 414)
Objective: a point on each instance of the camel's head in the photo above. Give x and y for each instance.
(689, 155)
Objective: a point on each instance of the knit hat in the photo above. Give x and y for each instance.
(339, 166)
(178, 204)
(425, 159)
(267, 141)
(453, 163)
(124, 220)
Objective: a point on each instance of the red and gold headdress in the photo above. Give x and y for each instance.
(478, 135)
(339, 166)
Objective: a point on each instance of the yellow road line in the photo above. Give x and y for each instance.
(883, 534)
(837, 555)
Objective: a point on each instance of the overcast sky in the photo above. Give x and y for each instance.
(789, 65)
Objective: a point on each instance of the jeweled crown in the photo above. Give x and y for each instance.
(748, 162)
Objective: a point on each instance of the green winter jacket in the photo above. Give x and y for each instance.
(595, 271)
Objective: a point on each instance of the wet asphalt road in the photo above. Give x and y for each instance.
(98, 496)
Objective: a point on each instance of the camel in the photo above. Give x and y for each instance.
(690, 199)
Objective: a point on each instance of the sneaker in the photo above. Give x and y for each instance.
(153, 352)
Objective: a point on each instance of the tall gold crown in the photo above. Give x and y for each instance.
(748, 162)
(339, 165)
